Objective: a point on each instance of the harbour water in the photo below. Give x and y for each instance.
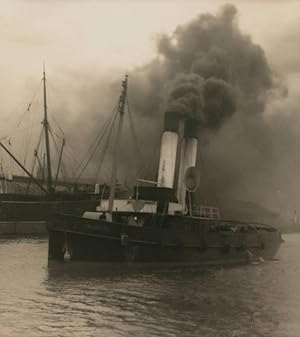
(76, 299)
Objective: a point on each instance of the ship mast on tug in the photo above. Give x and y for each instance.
(121, 111)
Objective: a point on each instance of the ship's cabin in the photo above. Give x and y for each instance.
(159, 200)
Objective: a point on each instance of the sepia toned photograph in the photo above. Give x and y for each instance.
(150, 168)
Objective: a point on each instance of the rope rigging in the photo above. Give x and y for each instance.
(135, 138)
(104, 150)
(100, 145)
(107, 126)
(105, 138)
(28, 109)
(58, 152)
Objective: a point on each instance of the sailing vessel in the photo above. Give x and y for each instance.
(34, 204)
(159, 224)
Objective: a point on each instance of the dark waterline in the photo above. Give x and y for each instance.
(88, 299)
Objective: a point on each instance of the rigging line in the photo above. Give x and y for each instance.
(58, 136)
(52, 89)
(63, 171)
(73, 161)
(77, 163)
(41, 151)
(93, 147)
(32, 170)
(107, 122)
(135, 139)
(54, 140)
(61, 168)
(134, 134)
(28, 131)
(91, 151)
(55, 122)
(69, 152)
(29, 105)
(95, 144)
(54, 133)
(29, 138)
(40, 140)
(104, 150)
(112, 121)
(35, 158)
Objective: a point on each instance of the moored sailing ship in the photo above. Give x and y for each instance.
(158, 223)
(39, 194)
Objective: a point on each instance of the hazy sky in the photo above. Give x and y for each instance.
(100, 34)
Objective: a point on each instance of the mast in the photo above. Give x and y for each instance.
(46, 128)
(59, 162)
(121, 110)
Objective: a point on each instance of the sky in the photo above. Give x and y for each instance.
(103, 34)
(82, 42)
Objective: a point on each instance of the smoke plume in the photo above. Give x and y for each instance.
(210, 72)
(205, 71)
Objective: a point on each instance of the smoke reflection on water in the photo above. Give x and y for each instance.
(88, 299)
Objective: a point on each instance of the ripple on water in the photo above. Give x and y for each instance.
(77, 299)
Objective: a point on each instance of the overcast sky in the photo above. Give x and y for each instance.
(100, 34)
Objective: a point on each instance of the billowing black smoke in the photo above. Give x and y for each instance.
(211, 73)
(205, 71)
(204, 68)
(209, 102)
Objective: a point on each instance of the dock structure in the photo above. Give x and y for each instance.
(20, 228)
(19, 184)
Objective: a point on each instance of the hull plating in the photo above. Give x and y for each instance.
(94, 240)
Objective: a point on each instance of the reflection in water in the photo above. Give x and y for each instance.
(91, 299)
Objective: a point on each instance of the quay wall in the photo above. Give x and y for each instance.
(23, 228)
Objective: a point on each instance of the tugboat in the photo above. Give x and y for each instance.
(159, 224)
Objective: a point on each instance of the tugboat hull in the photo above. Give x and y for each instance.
(98, 240)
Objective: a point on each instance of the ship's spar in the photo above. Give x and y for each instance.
(23, 167)
(121, 110)
(47, 131)
(46, 128)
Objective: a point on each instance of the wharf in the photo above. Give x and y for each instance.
(23, 228)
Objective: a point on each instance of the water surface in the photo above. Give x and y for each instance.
(78, 299)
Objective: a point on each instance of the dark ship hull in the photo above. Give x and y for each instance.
(27, 214)
(18, 207)
(162, 239)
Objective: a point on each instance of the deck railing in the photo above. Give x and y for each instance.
(205, 212)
